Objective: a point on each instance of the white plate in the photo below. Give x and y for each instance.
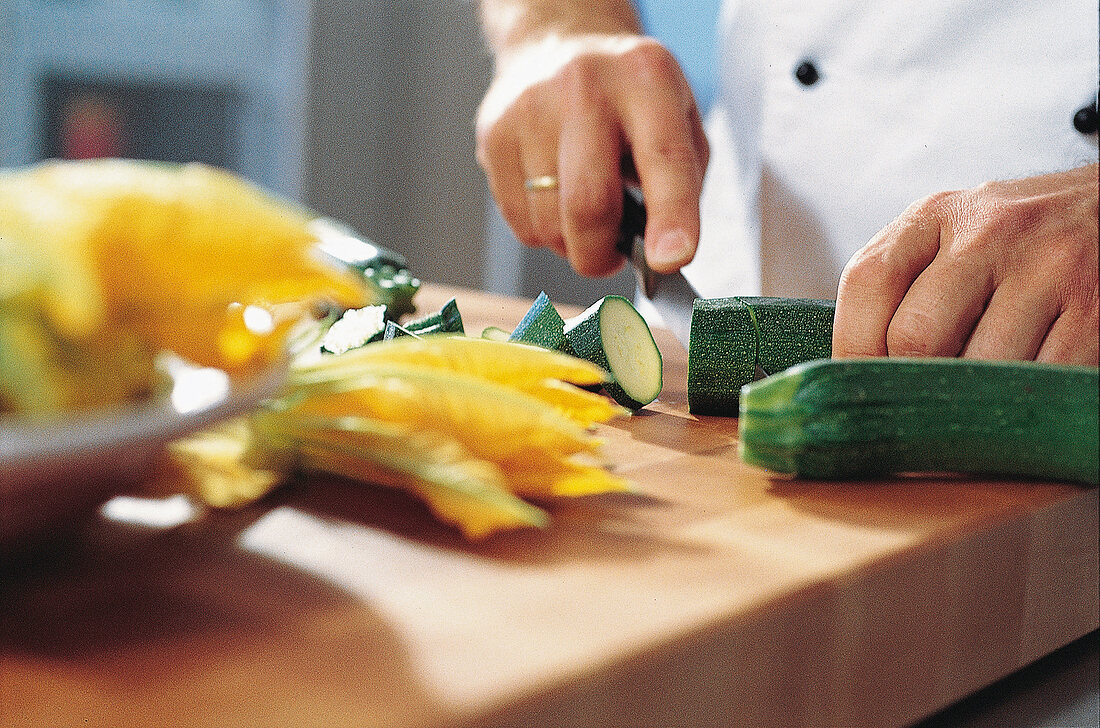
(54, 474)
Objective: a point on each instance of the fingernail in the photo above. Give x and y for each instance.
(672, 250)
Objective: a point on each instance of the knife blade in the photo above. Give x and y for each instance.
(670, 293)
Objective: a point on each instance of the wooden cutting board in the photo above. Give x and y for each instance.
(715, 595)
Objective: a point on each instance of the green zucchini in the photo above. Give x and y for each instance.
(875, 417)
(385, 273)
(731, 337)
(612, 334)
(447, 320)
(721, 355)
(359, 327)
(791, 331)
(542, 325)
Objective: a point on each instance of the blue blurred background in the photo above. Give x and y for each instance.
(363, 109)
(688, 29)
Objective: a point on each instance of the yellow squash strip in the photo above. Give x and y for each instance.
(583, 407)
(497, 361)
(224, 467)
(560, 477)
(469, 493)
(492, 421)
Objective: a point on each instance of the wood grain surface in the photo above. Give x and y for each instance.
(714, 595)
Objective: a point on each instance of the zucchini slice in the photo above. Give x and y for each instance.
(494, 333)
(612, 334)
(874, 417)
(721, 355)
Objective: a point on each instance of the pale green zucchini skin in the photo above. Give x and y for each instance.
(839, 419)
(729, 336)
(638, 378)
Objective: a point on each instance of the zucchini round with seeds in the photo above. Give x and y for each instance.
(873, 417)
(612, 334)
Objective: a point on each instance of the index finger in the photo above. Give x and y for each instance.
(665, 139)
(875, 281)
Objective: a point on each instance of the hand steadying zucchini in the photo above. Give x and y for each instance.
(873, 417)
(731, 336)
(612, 334)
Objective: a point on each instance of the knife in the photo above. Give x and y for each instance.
(670, 293)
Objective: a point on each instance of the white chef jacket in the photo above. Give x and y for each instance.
(910, 98)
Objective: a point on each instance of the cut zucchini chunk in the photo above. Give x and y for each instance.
(542, 325)
(721, 355)
(730, 337)
(447, 320)
(612, 334)
(494, 333)
(791, 330)
(875, 417)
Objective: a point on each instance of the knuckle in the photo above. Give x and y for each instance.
(651, 62)
(580, 78)
(873, 267)
(936, 206)
(674, 151)
(1083, 294)
(910, 334)
(1006, 219)
(673, 163)
(594, 266)
(526, 114)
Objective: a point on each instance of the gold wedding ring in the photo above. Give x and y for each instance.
(541, 184)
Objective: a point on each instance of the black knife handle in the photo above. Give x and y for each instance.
(632, 225)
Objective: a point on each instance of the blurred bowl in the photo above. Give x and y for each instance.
(55, 474)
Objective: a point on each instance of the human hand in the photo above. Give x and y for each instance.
(594, 111)
(1006, 270)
